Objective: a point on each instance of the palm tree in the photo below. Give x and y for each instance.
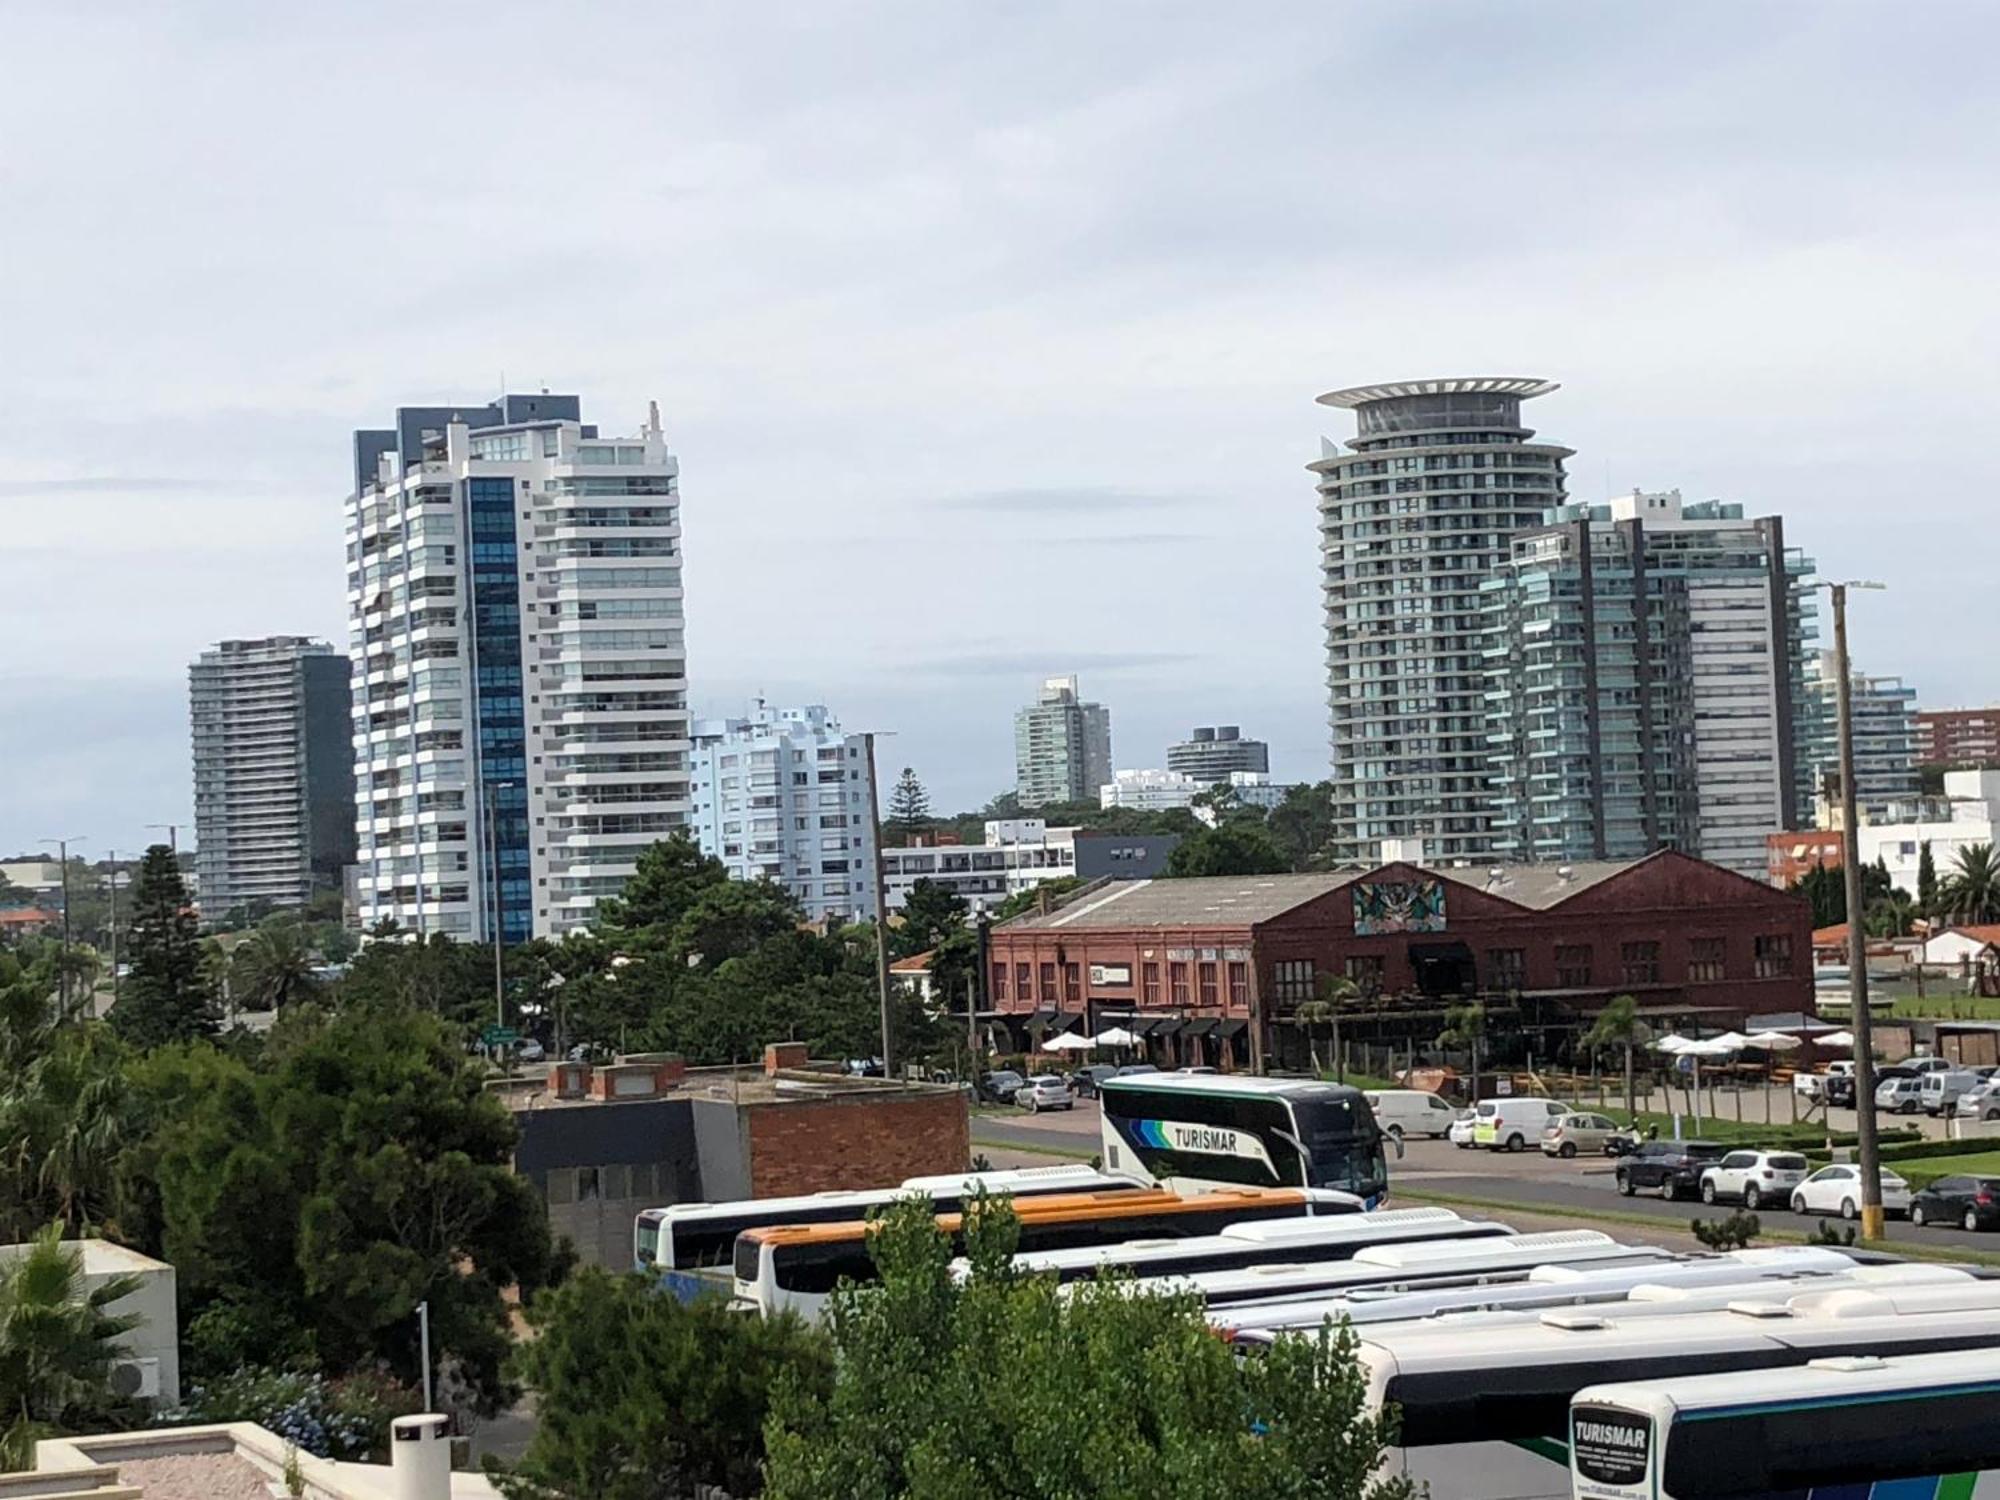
(272, 967)
(1465, 1026)
(57, 1342)
(1335, 990)
(1971, 892)
(1618, 1025)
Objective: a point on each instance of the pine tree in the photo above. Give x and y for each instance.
(909, 807)
(167, 997)
(1927, 881)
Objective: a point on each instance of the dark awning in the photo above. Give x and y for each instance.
(1233, 1028)
(1068, 1018)
(1200, 1026)
(1142, 1025)
(1167, 1027)
(1043, 1016)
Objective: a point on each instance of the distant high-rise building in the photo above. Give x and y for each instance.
(783, 795)
(1885, 738)
(1644, 660)
(1414, 516)
(273, 772)
(1062, 747)
(1963, 737)
(520, 692)
(1210, 755)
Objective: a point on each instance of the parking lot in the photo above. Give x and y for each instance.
(1536, 1183)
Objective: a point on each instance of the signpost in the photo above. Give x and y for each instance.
(500, 1036)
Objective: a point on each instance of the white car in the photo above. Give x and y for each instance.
(1903, 1096)
(1809, 1085)
(1460, 1134)
(1981, 1102)
(1755, 1177)
(1044, 1091)
(1837, 1190)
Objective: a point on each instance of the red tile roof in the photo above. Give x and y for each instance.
(25, 916)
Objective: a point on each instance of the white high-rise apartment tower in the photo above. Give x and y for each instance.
(520, 675)
(783, 795)
(1414, 516)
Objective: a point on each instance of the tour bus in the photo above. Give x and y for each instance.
(688, 1235)
(1461, 1262)
(1256, 1325)
(779, 1267)
(1297, 1241)
(1665, 1299)
(1196, 1131)
(1483, 1403)
(1850, 1426)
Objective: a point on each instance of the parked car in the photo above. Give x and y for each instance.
(1755, 1177)
(1044, 1091)
(1576, 1132)
(1130, 1068)
(1837, 1190)
(1981, 1101)
(1923, 1065)
(1086, 1080)
(998, 1087)
(1969, 1202)
(1809, 1085)
(1900, 1096)
(1669, 1168)
(1840, 1090)
(1509, 1124)
(1401, 1112)
(1460, 1134)
(530, 1051)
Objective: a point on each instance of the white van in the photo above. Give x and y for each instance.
(1940, 1090)
(1513, 1124)
(1402, 1112)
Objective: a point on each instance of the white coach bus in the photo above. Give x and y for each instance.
(1925, 1427)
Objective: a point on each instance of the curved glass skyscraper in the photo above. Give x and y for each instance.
(1414, 515)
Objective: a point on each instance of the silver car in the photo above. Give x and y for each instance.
(1044, 1091)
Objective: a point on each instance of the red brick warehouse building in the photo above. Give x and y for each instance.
(1214, 970)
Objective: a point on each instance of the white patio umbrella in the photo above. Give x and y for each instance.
(1774, 1041)
(1715, 1046)
(1069, 1041)
(1835, 1039)
(1672, 1042)
(1735, 1041)
(1117, 1036)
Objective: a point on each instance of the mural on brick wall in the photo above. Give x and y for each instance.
(1382, 906)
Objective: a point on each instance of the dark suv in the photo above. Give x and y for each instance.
(1973, 1202)
(1669, 1168)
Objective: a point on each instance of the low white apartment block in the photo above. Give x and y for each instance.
(1019, 854)
(520, 673)
(1162, 791)
(783, 795)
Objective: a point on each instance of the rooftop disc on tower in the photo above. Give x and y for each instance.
(1474, 402)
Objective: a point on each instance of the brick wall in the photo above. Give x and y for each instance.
(856, 1141)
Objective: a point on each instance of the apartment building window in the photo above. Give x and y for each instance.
(1506, 968)
(1774, 955)
(1023, 984)
(1149, 984)
(1177, 983)
(1295, 980)
(1211, 996)
(1072, 983)
(1239, 986)
(1639, 962)
(1573, 966)
(1049, 983)
(1705, 959)
(999, 981)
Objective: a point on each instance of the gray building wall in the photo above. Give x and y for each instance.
(1210, 754)
(597, 1163)
(1123, 856)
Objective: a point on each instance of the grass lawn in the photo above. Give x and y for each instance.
(1928, 1169)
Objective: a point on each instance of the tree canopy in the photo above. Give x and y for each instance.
(1228, 849)
(167, 996)
(909, 809)
(57, 1341)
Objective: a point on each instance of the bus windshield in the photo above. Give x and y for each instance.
(1343, 1147)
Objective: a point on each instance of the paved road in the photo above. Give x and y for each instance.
(1537, 1183)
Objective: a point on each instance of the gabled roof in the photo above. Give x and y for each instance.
(1538, 887)
(916, 963)
(1198, 901)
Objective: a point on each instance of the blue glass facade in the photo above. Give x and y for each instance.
(502, 748)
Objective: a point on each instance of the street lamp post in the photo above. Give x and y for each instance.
(1867, 1148)
(62, 979)
(881, 909)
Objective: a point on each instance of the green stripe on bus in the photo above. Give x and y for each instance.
(1956, 1486)
(1549, 1448)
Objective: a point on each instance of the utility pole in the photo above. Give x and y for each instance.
(881, 909)
(173, 838)
(1868, 1149)
(62, 979)
(111, 858)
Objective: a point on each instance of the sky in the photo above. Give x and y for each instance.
(988, 337)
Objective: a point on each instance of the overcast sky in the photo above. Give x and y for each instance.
(987, 336)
